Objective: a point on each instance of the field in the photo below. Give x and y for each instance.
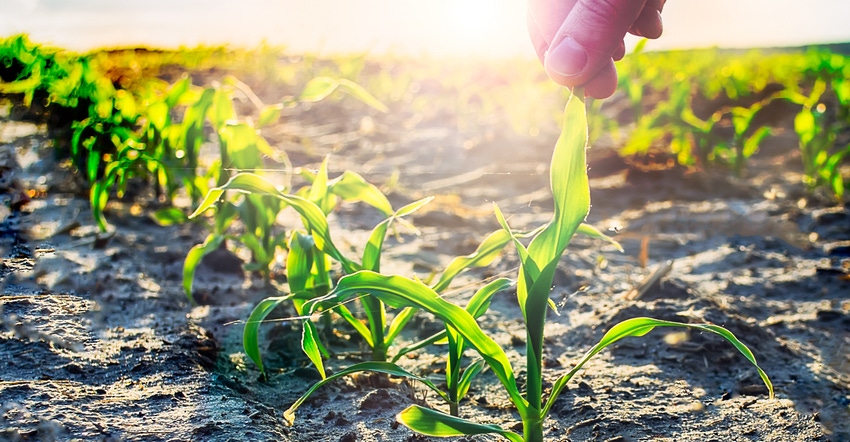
(128, 313)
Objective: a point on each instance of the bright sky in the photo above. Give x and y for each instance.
(439, 27)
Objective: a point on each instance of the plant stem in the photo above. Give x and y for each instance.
(377, 322)
(532, 429)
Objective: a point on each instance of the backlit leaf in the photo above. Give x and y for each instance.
(435, 423)
(640, 327)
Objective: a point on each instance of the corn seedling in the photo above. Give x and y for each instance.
(817, 130)
(242, 148)
(313, 247)
(457, 380)
(538, 263)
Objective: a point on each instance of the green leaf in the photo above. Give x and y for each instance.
(397, 324)
(269, 115)
(569, 184)
(317, 89)
(310, 346)
(316, 222)
(486, 252)
(593, 232)
(372, 251)
(435, 423)
(193, 259)
(251, 332)
(358, 325)
(175, 93)
(222, 108)
(170, 216)
(468, 375)
(98, 198)
(751, 144)
(93, 163)
(157, 113)
(640, 327)
(299, 262)
(480, 301)
(239, 141)
(478, 304)
(318, 192)
(361, 94)
(352, 187)
(402, 292)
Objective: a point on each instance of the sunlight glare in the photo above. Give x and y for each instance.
(474, 24)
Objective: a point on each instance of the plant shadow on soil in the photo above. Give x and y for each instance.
(101, 344)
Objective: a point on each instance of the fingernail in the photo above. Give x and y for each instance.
(567, 58)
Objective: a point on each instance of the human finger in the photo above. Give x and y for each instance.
(588, 39)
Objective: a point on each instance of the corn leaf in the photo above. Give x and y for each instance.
(175, 93)
(569, 184)
(593, 232)
(357, 91)
(397, 324)
(269, 115)
(401, 292)
(468, 374)
(170, 216)
(486, 252)
(356, 323)
(435, 423)
(193, 259)
(251, 332)
(640, 327)
(310, 345)
(372, 251)
(317, 89)
(352, 187)
(314, 218)
(478, 304)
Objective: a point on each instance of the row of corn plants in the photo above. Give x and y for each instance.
(316, 295)
(708, 108)
(154, 133)
(722, 106)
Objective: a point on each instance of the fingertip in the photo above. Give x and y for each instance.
(566, 58)
(604, 84)
(648, 24)
(620, 52)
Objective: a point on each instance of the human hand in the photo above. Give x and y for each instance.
(578, 40)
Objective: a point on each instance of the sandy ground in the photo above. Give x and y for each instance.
(100, 343)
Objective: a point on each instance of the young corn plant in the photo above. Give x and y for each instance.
(538, 263)
(817, 131)
(458, 380)
(313, 248)
(241, 150)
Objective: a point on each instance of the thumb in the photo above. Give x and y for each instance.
(588, 39)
